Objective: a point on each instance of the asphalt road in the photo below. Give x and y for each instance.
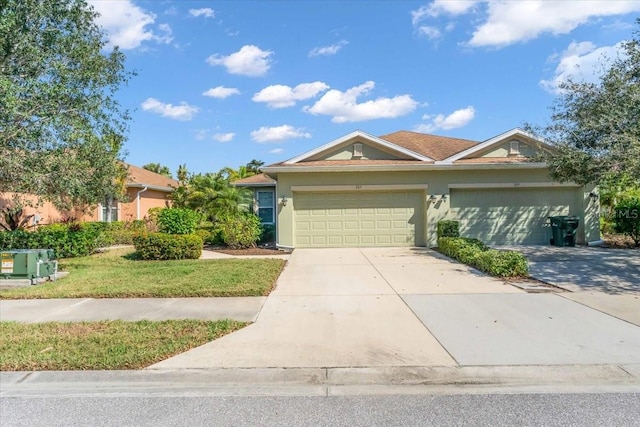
(609, 409)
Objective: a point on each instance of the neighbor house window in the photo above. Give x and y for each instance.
(265, 205)
(114, 212)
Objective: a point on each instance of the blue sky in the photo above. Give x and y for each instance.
(221, 83)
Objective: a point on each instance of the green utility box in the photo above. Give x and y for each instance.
(563, 230)
(29, 264)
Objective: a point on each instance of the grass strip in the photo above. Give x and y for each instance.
(117, 274)
(106, 345)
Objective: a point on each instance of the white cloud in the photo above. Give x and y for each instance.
(328, 50)
(457, 119)
(224, 137)
(439, 7)
(207, 12)
(500, 23)
(276, 151)
(127, 25)
(221, 92)
(431, 33)
(581, 62)
(510, 22)
(281, 96)
(182, 112)
(344, 106)
(201, 134)
(278, 134)
(248, 61)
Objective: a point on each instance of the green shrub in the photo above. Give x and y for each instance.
(626, 219)
(448, 228)
(240, 231)
(163, 246)
(502, 263)
(268, 234)
(64, 242)
(476, 254)
(177, 221)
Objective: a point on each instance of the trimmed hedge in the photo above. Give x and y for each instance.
(64, 242)
(476, 254)
(162, 246)
(448, 228)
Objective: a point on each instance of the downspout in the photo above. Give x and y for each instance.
(138, 201)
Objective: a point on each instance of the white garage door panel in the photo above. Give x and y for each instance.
(511, 216)
(358, 219)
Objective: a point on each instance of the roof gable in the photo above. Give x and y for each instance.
(500, 147)
(376, 146)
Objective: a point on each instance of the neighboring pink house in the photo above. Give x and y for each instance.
(145, 190)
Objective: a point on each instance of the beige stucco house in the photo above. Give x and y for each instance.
(363, 190)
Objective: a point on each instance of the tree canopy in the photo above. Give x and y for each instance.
(61, 127)
(596, 126)
(158, 168)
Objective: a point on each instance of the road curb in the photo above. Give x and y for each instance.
(321, 381)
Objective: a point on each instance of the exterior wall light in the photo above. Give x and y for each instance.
(284, 200)
(433, 198)
(593, 196)
(443, 198)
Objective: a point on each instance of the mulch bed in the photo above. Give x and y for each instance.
(249, 251)
(617, 241)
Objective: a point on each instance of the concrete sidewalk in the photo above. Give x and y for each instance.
(88, 309)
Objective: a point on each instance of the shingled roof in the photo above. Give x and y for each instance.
(140, 177)
(260, 179)
(434, 146)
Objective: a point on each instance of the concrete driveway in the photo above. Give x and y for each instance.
(579, 269)
(384, 307)
(344, 307)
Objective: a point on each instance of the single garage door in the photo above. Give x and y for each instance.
(358, 219)
(504, 216)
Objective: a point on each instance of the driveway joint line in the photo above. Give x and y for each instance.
(410, 309)
(596, 309)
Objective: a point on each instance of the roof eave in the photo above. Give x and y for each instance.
(399, 168)
(150, 187)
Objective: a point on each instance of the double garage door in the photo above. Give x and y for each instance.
(397, 218)
(503, 216)
(365, 218)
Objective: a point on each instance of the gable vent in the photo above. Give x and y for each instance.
(514, 148)
(357, 150)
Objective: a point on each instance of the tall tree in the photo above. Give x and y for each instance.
(596, 126)
(253, 167)
(158, 168)
(61, 128)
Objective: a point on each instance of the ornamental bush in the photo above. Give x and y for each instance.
(475, 253)
(64, 242)
(448, 228)
(177, 221)
(240, 230)
(163, 246)
(626, 219)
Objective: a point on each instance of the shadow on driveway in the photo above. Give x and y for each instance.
(578, 269)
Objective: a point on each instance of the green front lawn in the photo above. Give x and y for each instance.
(106, 345)
(117, 274)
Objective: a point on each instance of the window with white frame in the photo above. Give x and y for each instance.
(114, 212)
(265, 206)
